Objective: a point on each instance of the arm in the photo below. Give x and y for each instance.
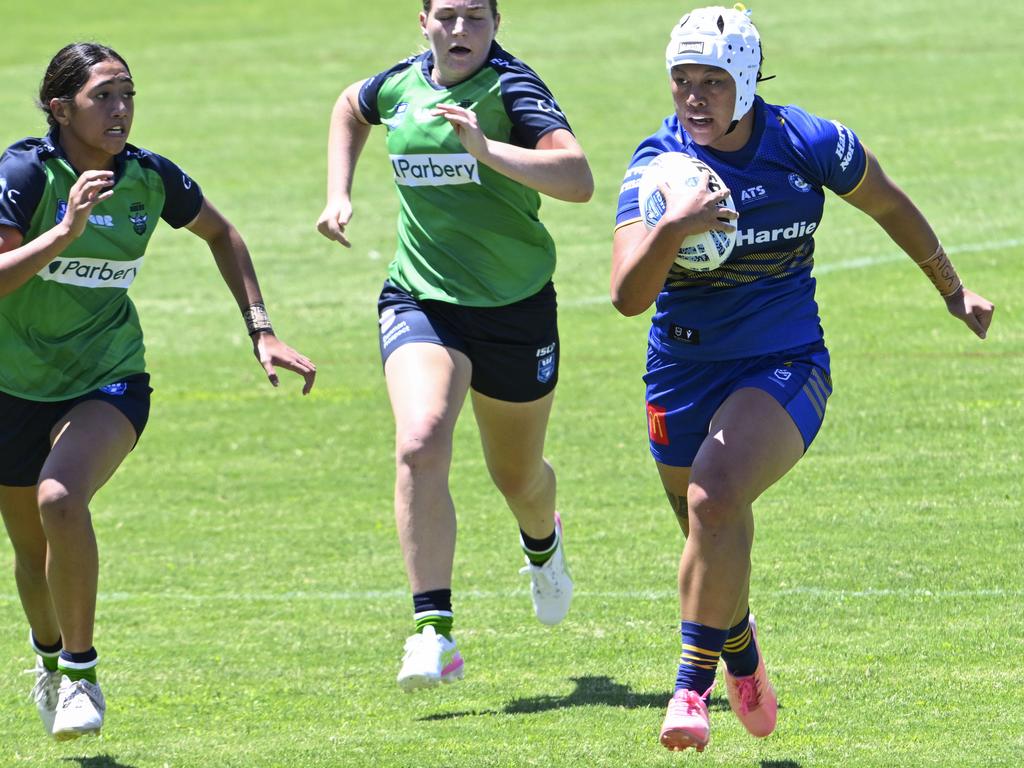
(235, 265)
(19, 261)
(345, 141)
(556, 166)
(641, 258)
(880, 198)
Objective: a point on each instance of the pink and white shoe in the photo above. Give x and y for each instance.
(429, 659)
(752, 697)
(686, 723)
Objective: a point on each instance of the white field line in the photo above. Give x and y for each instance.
(636, 595)
(824, 268)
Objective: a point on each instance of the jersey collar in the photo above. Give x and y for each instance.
(53, 148)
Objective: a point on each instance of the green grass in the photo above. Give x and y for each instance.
(253, 602)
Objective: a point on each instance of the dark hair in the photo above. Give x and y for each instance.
(494, 6)
(69, 70)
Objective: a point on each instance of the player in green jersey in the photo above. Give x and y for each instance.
(474, 138)
(76, 211)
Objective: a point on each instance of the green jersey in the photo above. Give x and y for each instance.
(466, 234)
(72, 328)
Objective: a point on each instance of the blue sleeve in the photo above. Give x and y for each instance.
(183, 198)
(528, 102)
(371, 88)
(22, 183)
(834, 156)
(629, 194)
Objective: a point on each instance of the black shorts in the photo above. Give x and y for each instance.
(25, 425)
(513, 349)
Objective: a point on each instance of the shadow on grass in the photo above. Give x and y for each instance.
(590, 691)
(99, 761)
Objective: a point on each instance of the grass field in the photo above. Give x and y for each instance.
(253, 603)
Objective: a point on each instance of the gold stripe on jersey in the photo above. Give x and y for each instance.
(745, 269)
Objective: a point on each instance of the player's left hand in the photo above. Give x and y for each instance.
(463, 120)
(976, 311)
(271, 352)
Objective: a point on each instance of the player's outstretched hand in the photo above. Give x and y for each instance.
(976, 311)
(334, 219)
(90, 188)
(273, 353)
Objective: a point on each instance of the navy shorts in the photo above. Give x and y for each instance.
(683, 395)
(513, 349)
(25, 425)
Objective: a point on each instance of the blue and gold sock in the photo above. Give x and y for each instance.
(48, 653)
(433, 609)
(79, 666)
(740, 653)
(702, 646)
(539, 551)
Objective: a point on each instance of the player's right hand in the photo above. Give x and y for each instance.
(334, 219)
(697, 210)
(90, 188)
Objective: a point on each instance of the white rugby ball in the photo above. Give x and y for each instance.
(681, 173)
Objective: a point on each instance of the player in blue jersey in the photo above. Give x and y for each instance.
(474, 137)
(77, 209)
(738, 373)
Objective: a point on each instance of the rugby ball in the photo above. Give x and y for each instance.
(682, 174)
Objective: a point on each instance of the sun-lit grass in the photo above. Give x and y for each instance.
(253, 603)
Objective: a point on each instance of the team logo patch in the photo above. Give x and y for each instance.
(118, 388)
(684, 335)
(545, 369)
(797, 183)
(657, 428)
(139, 218)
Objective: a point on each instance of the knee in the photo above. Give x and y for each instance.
(423, 448)
(59, 506)
(714, 503)
(518, 481)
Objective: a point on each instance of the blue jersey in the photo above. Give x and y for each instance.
(762, 299)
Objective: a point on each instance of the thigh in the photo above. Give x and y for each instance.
(89, 442)
(427, 385)
(752, 443)
(512, 434)
(675, 481)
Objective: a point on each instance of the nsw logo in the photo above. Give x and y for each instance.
(545, 369)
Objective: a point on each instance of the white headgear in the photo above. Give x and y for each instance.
(719, 37)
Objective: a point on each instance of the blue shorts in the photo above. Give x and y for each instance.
(683, 395)
(513, 349)
(25, 425)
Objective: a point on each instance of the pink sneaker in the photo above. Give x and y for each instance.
(752, 697)
(686, 722)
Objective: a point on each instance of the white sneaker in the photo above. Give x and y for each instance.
(44, 693)
(429, 658)
(550, 584)
(80, 709)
